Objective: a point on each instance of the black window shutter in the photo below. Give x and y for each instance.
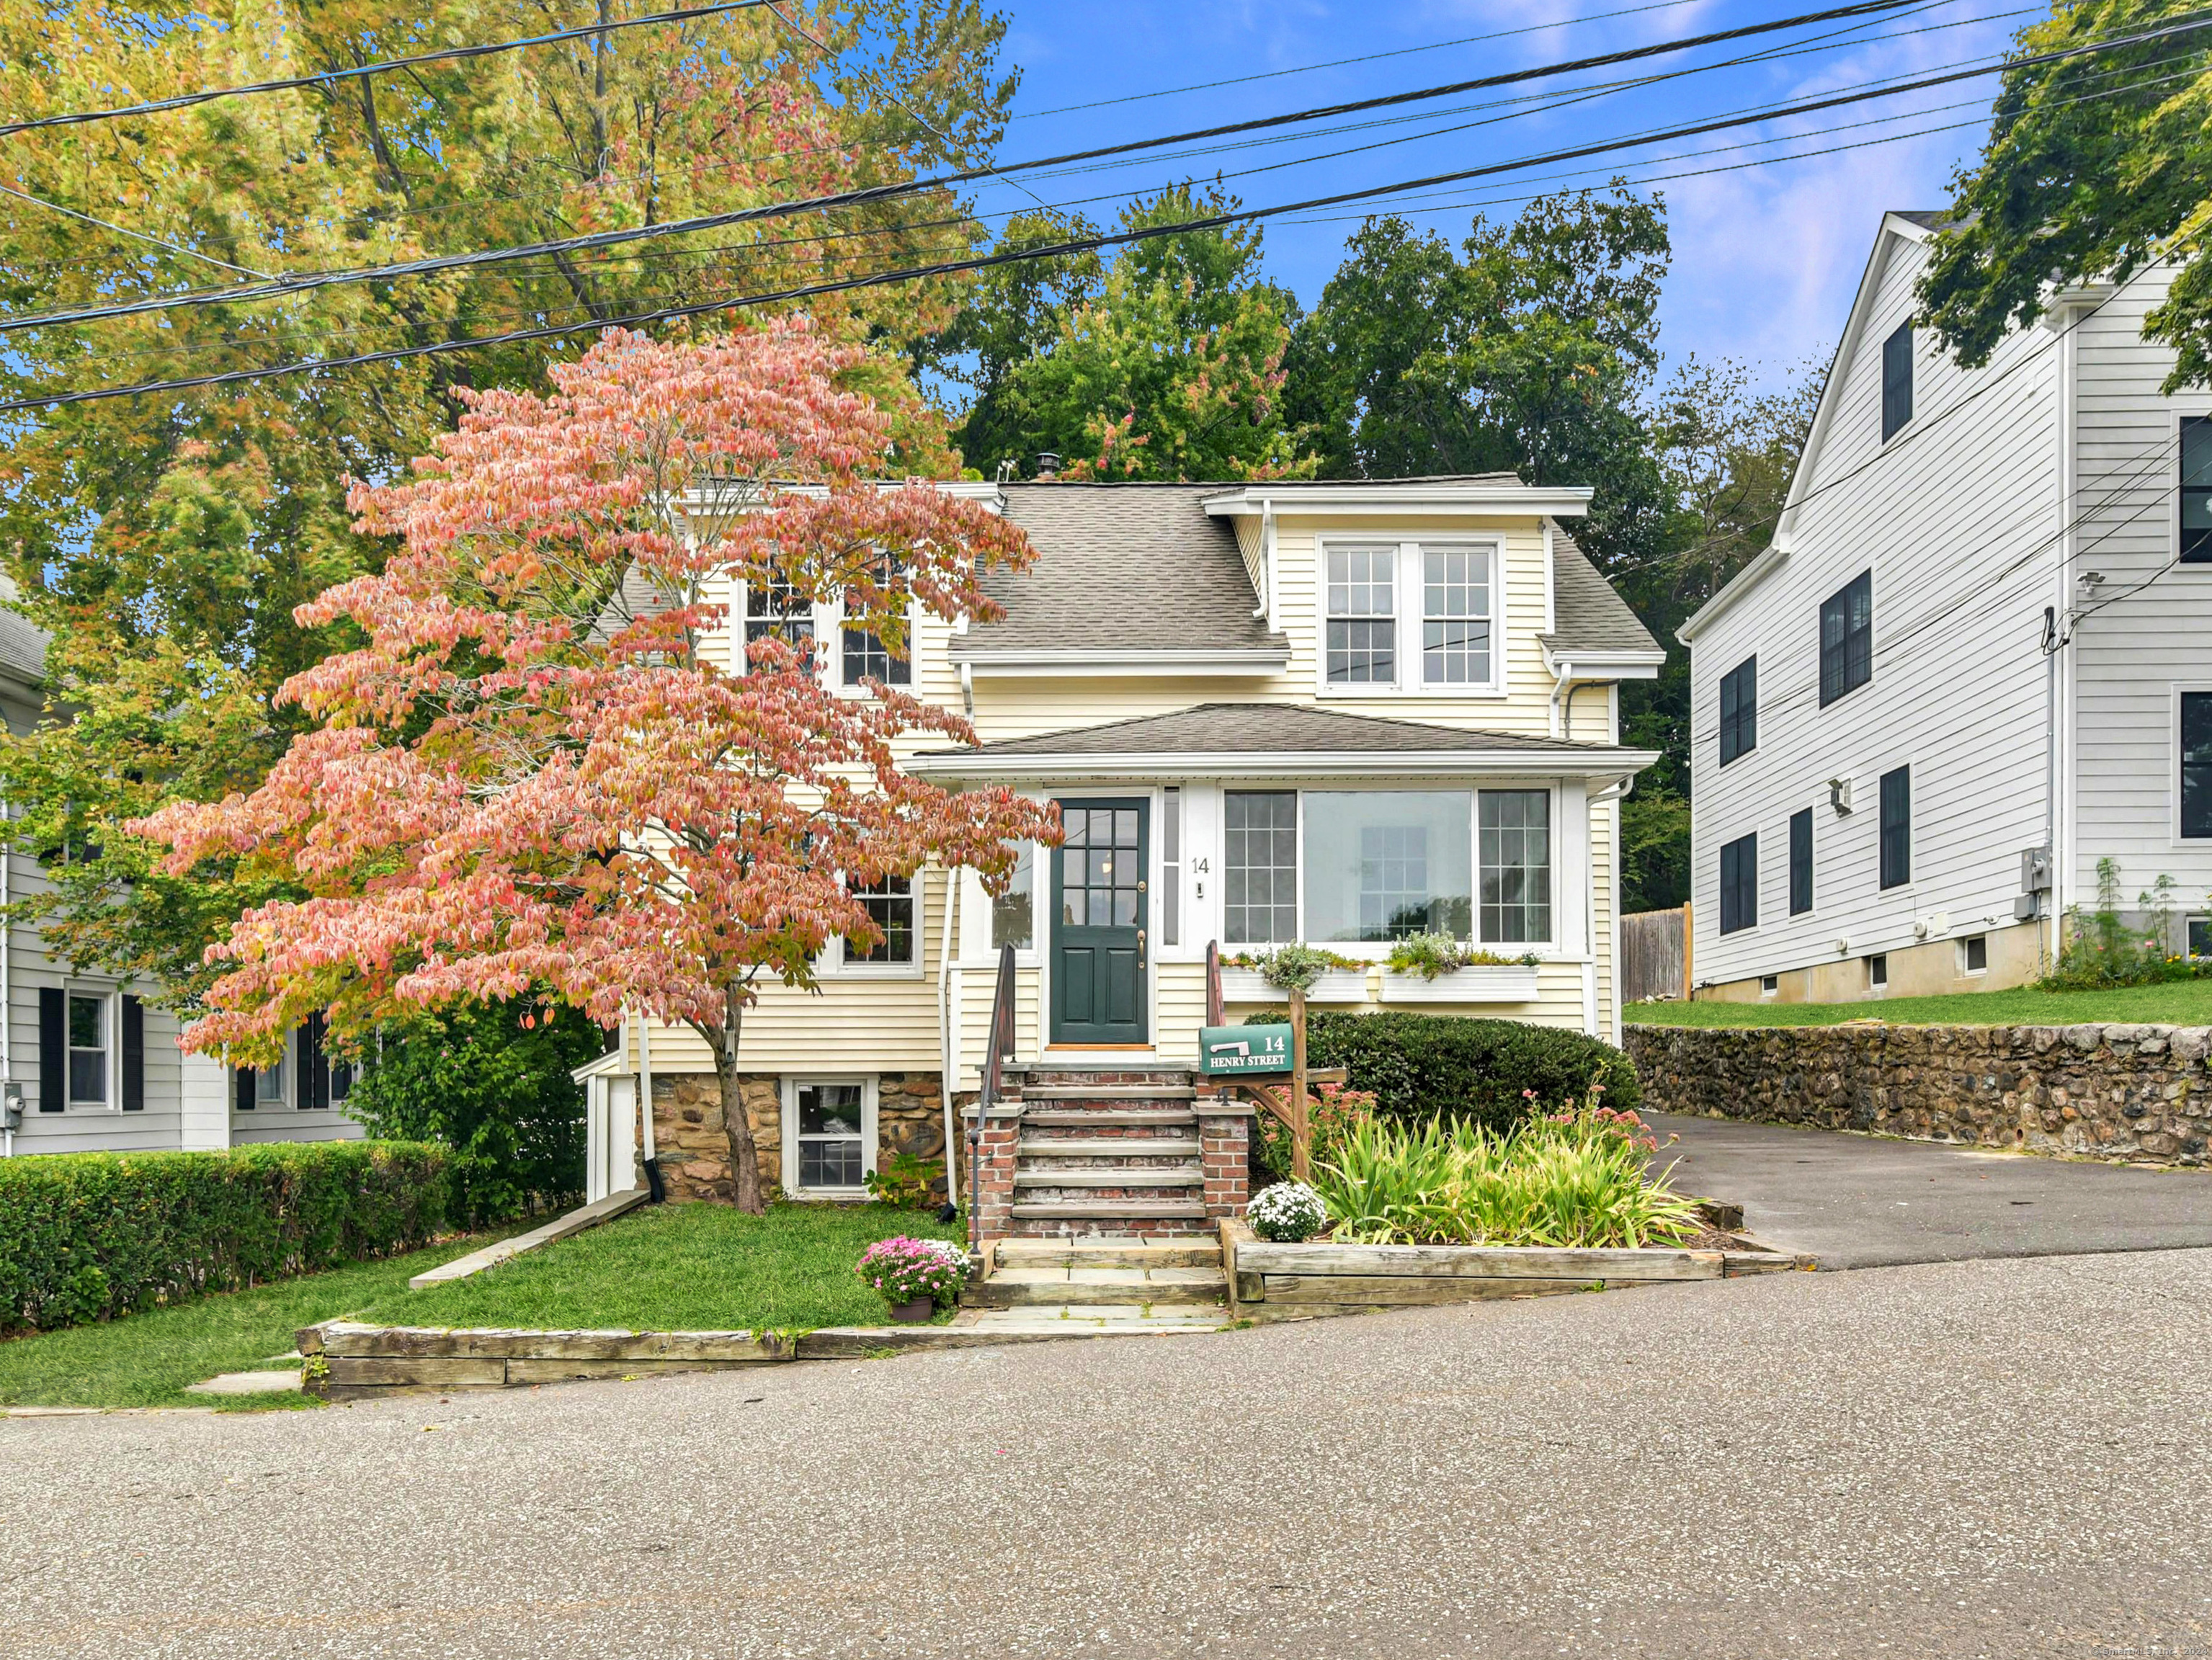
(134, 1054)
(314, 1076)
(242, 1088)
(53, 1049)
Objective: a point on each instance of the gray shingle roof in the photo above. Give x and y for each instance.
(1589, 615)
(1270, 729)
(1121, 567)
(1927, 218)
(23, 648)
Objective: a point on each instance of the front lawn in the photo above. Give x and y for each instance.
(146, 1359)
(680, 1268)
(2180, 1003)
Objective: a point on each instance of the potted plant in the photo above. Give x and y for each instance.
(913, 1275)
(1435, 968)
(1266, 976)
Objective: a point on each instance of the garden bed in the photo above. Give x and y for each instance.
(1275, 1281)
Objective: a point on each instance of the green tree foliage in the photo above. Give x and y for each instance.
(1726, 452)
(1166, 363)
(1527, 351)
(2093, 167)
(492, 1082)
(166, 540)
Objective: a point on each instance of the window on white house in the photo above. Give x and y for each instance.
(1514, 833)
(1383, 863)
(1740, 711)
(1801, 861)
(1897, 827)
(1260, 865)
(1739, 883)
(1974, 954)
(1013, 913)
(2196, 547)
(2199, 937)
(773, 608)
(88, 1037)
(1770, 985)
(832, 1151)
(269, 1082)
(1455, 617)
(1896, 382)
(1363, 616)
(1847, 638)
(1878, 971)
(2197, 764)
(889, 905)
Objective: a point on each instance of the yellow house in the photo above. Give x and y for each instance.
(1328, 713)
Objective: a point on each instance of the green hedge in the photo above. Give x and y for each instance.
(91, 1236)
(1430, 1066)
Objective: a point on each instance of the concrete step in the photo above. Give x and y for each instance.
(1108, 1146)
(1104, 1320)
(1111, 1210)
(1102, 1253)
(1110, 1118)
(1116, 1176)
(1122, 1287)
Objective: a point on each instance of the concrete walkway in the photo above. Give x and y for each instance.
(1966, 1461)
(1859, 1202)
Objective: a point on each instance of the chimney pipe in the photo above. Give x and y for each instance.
(1048, 465)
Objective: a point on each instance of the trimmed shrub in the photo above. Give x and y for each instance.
(1449, 1065)
(90, 1236)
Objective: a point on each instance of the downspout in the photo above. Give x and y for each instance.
(948, 1038)
(649, 1164)
(2047, 944)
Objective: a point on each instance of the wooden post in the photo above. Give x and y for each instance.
(1301, 1123)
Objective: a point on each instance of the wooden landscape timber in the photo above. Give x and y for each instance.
(1269, 1280)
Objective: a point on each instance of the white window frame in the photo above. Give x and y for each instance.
(1377, 950)
(871, 1148)
(1967, 972)
(828, 617)
(2174, 695)
(2188, 922)
(832, 963)
(111, 1015)
(1410, 599)
(2179, 409)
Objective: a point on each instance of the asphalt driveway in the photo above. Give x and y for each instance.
(1981, 1459)
(1862, 1202)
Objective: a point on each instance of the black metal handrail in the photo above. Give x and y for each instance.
(1001, 1042)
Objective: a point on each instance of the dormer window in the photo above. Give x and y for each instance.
(773, 608)
(1409, 617)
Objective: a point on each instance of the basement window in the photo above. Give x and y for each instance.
(1770, 985)
(1878, 971)
(2199, 938)
(830, 1138)
(1974, 954)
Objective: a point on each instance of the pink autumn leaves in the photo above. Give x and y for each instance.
(552, 765)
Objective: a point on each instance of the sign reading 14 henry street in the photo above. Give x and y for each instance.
(1224, 1050)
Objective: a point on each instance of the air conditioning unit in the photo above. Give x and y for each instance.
(2035, 870)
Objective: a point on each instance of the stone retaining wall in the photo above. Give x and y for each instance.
(2139, 1093)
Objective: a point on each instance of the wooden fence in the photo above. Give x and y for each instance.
(1655, 954)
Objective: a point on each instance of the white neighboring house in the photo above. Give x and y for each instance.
(90, 1063)
(1976, 660)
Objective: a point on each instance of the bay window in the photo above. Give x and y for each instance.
(1366, 867)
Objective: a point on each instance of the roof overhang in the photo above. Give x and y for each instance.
(1388, 499)
(1566, 663)
(614, 1062)
(980, 766)
(1258, 661)
(1771, 559)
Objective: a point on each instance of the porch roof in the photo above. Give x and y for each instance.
(1276, 741)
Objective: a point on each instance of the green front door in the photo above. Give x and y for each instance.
(1098, 922)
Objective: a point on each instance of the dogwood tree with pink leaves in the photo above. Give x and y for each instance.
(527, 779)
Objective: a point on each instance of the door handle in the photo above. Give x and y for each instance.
(1140, 948)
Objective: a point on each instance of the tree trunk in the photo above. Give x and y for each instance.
(737, 1126)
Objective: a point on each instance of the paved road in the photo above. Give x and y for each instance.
(1986, 1459)
(1861, 1201)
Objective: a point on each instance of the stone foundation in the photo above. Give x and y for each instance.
(2125, 1093)
(695, 1152)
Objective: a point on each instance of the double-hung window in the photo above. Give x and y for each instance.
(889, 905)
(1381, 864)
(2196, 815)
(865, 655)
(1897, 827)
(776, 610)
(1260, 866)
(1409, 617)
(88, 1043)
(1896, 382)
(2196, 547)
(1740, 711)
(828, 1151)
(271, 1082)
(1739, 883)
(1847, 638)
(1362, 623)
(1514, 831)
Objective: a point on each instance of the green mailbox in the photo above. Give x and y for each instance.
(1229, 1051)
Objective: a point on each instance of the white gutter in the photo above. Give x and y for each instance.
(1598, 759)
(948, 1030)
(1265, 608)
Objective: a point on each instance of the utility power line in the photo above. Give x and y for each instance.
(299, 83)
(293, 284)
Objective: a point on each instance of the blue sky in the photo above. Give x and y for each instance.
(1765, 257)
